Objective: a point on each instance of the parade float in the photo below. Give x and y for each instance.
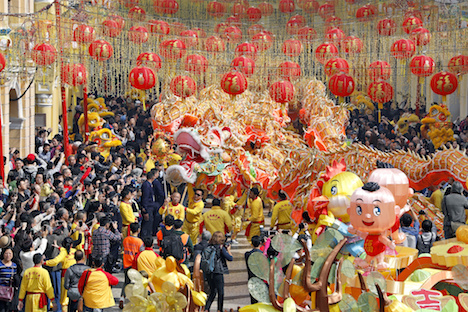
(258, 94)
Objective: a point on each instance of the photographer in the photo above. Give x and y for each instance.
(305, 236)
(216, 278)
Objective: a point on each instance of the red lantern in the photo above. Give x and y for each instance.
(287, 6)
(352, 44)
(2, 62)
(74, 74)
(458, 65)
(234, 83)
(421, 36)
(238, 9)
(42, 54)
(282, 91)
(247, 49)
(83, 34)
(310, 6)
(289, 71)
(196, 64)
(142, 78)
(341, 85)
(307, 34)
(200, 32)
(170, 6)
(138, 34)
(326, 10)
(255, 29)
(444, 83)
(119, 19)
(100, 50)
(149, 59)
(216, 9)
(386, 27)
(130, 3)
(244, 65)
(335, 35)
(221, 27)
(403, 49)
(183, 86)
(111, 28)
(380, 91)
(379, 70)
(233, 34)
(137, 14)
(422, 65)
(262, 41)
(215, 44)
(158, 6)
(336, 66)
(234, 21)
(190, 38)
(266, 8)
(292, 47)
(172, 49)
(332, 22)
(293, 26)
(159, 27)
(411, 23)
(299, 18)
(365, 13)
(326, 51)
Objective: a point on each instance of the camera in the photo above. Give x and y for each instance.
(228, 239)
(80, 223)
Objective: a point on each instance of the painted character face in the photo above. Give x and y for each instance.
(373, 212)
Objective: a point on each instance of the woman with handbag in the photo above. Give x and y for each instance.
(8, 272)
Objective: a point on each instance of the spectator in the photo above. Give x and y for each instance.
(282, 213)
(186, 241)
(8, 278)
(147, 260)
(411, 232)
(436, 196)
(126, 210)
(35, 286)
(148, 206)
(173, 207)
(29, 250)
(102, 238)
(72, 276)
(166, 230)
(98, 292)
(453, 208)
(426, 238)
(204, 241)
(216, 279)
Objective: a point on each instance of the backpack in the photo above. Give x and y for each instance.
(172, 245)
(425, 247)
(208, 260)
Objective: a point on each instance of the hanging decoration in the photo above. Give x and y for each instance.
(2, 62)
(110, 28)
(172, 49)
(183, 86)
(244, 65)
(149, 59)
(83, 34)
(386, 27)
(326, 51)
(247, 49)
(137, 14)
(380, 92)
(341, 85)
(215, 44)
(142, 78)
(292, 47)
(100, 50)
(444, 83)
(336, 66)
(289, 71)
(44, 54)
(196, 64)
(234, 83)
(159, 27)
(379, 70)
(138, 34)
(287, 6)
(282, 91)
(458, 65)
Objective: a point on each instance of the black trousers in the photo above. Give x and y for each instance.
(216, 282)
(147, 225)
(72, 305)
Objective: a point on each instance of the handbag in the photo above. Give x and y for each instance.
(7, 292)
(456, 225)
(80, 306)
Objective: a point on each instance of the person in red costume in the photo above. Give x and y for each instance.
(372, 214)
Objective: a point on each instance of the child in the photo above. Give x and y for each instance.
(426, 238)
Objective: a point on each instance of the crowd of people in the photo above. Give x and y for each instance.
(68, 224)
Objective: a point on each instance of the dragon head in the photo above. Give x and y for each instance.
(437, 113)
(95, 122)
(104, 138)
(98, 106)
(189, 143)
(406, 121)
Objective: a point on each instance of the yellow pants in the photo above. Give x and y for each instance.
(31, 303)
(254, 230)
(192, 229)
(63, 294)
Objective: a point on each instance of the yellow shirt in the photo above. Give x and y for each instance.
(126, 212)
(147, 261)
(37, 280)
(436, 198)
(75, 236)
(194, 211)
(282, 213)
(177, 211)
(256, 208)
(46, 190)
(97, 292)
(216, 219)
(67, 259)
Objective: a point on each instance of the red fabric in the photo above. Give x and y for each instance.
(85, 175)
(82, 281)
(42, 300)
(396, 226)
(373, 246)
(202, 224)
(111, 278)
(247, 230)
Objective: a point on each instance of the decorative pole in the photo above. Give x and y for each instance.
(85, 112)
(2, 165)
(62, 85)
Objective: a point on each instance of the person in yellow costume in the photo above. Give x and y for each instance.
(173, 207)
(36, 287)
(216, 219)
(256, 218)
(126, 210)
(77, 227)
(148, 260)
(437, 196)
(193, 213)
(281, 216)
(230, 205)
(67, 258)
